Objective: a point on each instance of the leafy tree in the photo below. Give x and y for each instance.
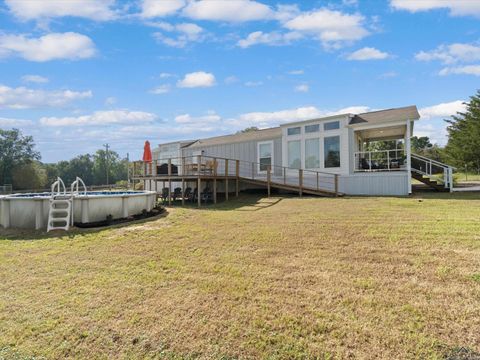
(248, 129)
(15, 150)
(463, 147)
(117, 168)
(31, 176)
(420, 144)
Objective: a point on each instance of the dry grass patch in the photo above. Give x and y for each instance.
(253, 278)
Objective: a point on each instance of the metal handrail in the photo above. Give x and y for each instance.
(58, 184)
(75, 188)
(421, 157)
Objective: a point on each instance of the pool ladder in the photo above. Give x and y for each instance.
(60, 214)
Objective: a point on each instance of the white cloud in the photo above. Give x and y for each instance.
(197, 79)
(302, 88)
(272, 38)
(156, 8)
(228, 10)
(100, 118)
(456, 7)
(8, 122)
(461, 70)
(24, 98)
(267, 119)
(185, 33)
(368, 53)
(253, 83)
(296, 72)
(165, 75)
(109, 101)
(432, 124)
(99, 10)
(442, 110)
(450, 54)
(162, 89)
(388, 75)
(231, 80)
(333, 28)
(54, 46)
(34, 79)
(211, 117)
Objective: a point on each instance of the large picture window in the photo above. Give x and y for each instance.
(312, 153)
(265, 151)
(294, 154)
(332, 151)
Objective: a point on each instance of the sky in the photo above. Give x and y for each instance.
(79, 74)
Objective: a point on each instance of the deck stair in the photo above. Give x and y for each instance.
(434, 174)
(60, 207)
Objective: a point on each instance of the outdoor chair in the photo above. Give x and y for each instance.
(165, 194)
(188, 195)
(206, 195)
(177, 193)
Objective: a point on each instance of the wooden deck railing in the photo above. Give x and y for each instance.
(205, 167)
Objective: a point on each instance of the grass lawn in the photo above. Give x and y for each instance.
(462, 177)
(390, 278)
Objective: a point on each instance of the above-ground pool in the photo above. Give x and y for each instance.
(30, 211)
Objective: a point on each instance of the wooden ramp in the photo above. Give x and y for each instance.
(223, 172)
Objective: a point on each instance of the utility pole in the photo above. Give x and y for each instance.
(106, 159)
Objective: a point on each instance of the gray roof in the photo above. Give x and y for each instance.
(388, 115)
(265, 134)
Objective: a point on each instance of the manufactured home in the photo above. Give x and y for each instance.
(338, 154)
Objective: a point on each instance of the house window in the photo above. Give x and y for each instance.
(333, 125)
(293, 131)
(294, 154)
(312, 153)
(265, 155)
(332, 151)
(312, 128)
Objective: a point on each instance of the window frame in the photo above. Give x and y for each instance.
(319, 154)
(311, 132)
(294, 127)
(331, 122)
(269, 142)
(339, 152)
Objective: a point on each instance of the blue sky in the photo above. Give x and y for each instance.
(78, 74)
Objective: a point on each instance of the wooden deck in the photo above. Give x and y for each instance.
(227, 171)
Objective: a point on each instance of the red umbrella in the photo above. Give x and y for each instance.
(147, 156)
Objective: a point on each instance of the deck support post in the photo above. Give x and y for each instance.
(300, 182)
(226, 189)
(268, 179)
(199, 198)
(237, 177)
(169, 182)
(183, 191)
(215, 190)
(226, 179)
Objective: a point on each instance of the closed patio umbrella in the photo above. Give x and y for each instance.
(147, 155)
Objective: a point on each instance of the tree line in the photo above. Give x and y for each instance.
(20, 165)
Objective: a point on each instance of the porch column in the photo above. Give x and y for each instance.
(408, 152)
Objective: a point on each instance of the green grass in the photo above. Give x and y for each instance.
(252, 278)
(462, 177)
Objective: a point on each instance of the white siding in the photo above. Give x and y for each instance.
(382, 183)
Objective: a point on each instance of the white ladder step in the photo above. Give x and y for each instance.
(60, 212)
